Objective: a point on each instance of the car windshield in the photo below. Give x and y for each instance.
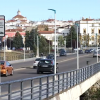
(45, 61)
(1, 62)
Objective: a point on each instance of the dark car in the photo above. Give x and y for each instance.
(46, 65)
(61, 50)
(62, 53)
(88, 51)
(80, 51)
(50, 56)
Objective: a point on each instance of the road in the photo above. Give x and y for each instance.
(24, 69)
(65, 64)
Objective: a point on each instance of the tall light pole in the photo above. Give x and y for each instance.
(77, 49)
(37, 47)
(55, 39)
(24, 48)
(97, 46)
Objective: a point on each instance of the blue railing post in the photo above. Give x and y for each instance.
(58, 83)
(47, 87)
(40, 89)
(32, 89)
(21, 87)
(9, 91)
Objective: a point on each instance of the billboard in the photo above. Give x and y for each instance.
(2, 25)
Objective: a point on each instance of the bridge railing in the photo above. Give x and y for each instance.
(41, 87)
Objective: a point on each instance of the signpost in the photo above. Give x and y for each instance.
(2, 33)
(2, 25)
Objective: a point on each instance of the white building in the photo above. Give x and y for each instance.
(17, 21)
(89, 28)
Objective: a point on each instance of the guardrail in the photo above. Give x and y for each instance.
(18, 57)
(45, 86)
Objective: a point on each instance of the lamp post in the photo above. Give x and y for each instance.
(55, 39)
(24, 48)
(37, 47)
(97, 46)
(77, 49)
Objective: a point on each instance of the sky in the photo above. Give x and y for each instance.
(37, 10)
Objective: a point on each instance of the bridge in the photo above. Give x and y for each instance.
(61, 86)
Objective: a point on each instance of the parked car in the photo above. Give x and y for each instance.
(46, 65)
(95, 54)
(87, 51)
(62, 53)
(80, 51)
(6, 68)
(36, 61)
(50, 56)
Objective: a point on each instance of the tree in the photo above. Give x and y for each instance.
(71, 36)
(17, 41)
(60, 41)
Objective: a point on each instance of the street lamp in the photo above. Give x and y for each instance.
(77, 49)
(55, 38)
(37, 47)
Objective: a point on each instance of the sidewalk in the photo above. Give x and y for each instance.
(31, 59)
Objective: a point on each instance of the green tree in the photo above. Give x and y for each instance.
(60, 41)
(71, 36)
(43, 45)
(17, 41)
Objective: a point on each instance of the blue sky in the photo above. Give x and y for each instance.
(37, 10)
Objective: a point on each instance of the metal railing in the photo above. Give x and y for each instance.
(41, 87)
(18, 57)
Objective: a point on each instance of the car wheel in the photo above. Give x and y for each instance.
(12, 73)
(6, 73)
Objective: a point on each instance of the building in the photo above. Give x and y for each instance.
(89, 30)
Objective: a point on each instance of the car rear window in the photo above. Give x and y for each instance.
(45, 61)
(1, 62)
(38, 59)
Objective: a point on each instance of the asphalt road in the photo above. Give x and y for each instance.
(24, 70)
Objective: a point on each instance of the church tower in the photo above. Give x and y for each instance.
(18, 12)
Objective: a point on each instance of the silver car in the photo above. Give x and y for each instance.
(95, 54)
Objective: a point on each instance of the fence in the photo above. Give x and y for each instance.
(17, 57)
(39, 88)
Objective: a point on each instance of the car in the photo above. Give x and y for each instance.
(60, 50)
(87, 51)
(6, 68)
(36, 61)
(50, 56)
(80, 51)
(91, 50)
(95, 54)
(62, 53)
(46, 65)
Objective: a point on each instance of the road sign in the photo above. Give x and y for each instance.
(2, 25)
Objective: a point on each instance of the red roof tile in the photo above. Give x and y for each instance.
(46, 32)
(18, 16)
(14, 30)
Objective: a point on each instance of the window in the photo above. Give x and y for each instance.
(84, 30)
(92, 25)
(92, 31)
(92, 38)
(99, 31)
